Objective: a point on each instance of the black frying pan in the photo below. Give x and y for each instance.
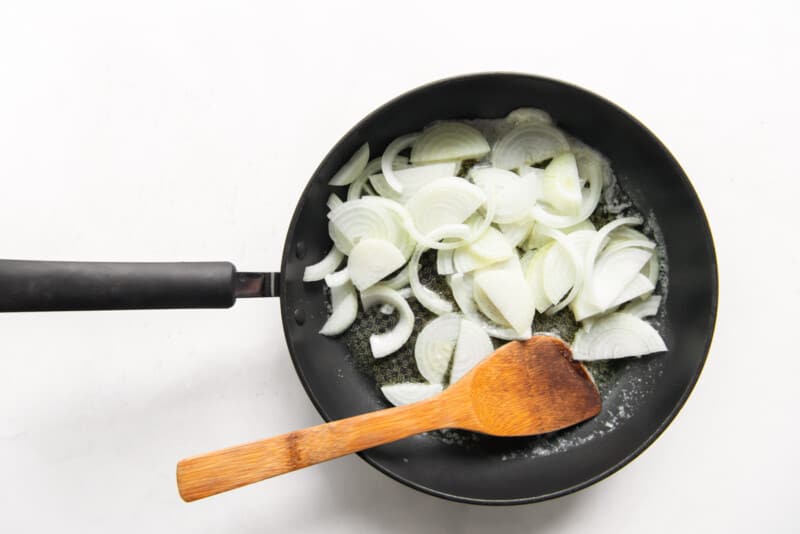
(641, 396)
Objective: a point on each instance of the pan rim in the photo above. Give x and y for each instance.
(710, 326)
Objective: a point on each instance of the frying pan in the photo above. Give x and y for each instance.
(641, 395)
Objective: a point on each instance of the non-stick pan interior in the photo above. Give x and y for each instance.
(640, 396)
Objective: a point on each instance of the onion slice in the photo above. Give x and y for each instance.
(448, 140)
(338, 278)
(409, 392)
(444, 201)
(412, 179)
(428, 298)
(371, 260)
(528, 144)
(353, 168)
(618, 335)
(561, 186)
(387, 160)
(472, 347)
(323, 267)
(434, 347)
(344, 307)
(644, 308)
(384, 344)
(507, 289)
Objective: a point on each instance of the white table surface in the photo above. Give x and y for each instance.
(186, 131)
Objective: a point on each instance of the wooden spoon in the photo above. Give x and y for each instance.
(523, 388)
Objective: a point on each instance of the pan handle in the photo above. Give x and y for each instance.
(66, 285)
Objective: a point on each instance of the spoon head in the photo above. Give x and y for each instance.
(530, 387)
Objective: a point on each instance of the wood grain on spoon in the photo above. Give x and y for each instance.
(523, 388)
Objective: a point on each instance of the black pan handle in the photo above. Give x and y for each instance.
(67, 285)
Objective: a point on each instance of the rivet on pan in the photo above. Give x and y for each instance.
(299, 317)
(300, 250)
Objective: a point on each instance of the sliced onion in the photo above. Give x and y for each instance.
(561, 186)
(507, 289)
(444, 201)
(514, 194)
(462, 288)
(517, 232)
(409, 392)
(389, 342)
(412, 179)
(428, 298)
(444, 262)
(371, 260)
(528, 144)
(618, 335)
(398, 281)
(445, 141)
(592, 169)
(472, 347)
(386, 309)
(323, 267)
(575, 250)
(391, 152)
(487, 308)
(353, 168)
(491, 247)
(613, 271)
(533, 115)
(563, 267)
(651, 270)
(357, 187)
(338, 278)
(644, 308)
(344, 307)
(583, 308)
(534, 275)
(367, 218)
(434, 347)
(334, 201)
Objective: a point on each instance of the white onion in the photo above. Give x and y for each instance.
(520, 115)
(528, 144)
(353, 168)
(371, 260)
(487, 307)
(356, 188)
(617, 335)
(583, 307)
(428, 298)
(334, 201)
(409, 392)
(613, 271)
(398, 281)
(323, 267)
(462, 288)
(491, 248)
(472, 347)
(515, 195)
(384, 344)
(434, 347)
(644, 308)
(338, 278)
(574, 246)
(517, 232)
(442, 202)
(507, 289)
(344, 308)
(391, 152)
(367, 218)
(446, 141)
(412, 179)
(534, 275)
(561, 186)
(444, 262)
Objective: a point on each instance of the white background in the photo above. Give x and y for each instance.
(165, 131)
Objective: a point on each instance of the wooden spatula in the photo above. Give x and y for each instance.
(523, 388)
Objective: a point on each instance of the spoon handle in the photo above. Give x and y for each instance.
(227, 469)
